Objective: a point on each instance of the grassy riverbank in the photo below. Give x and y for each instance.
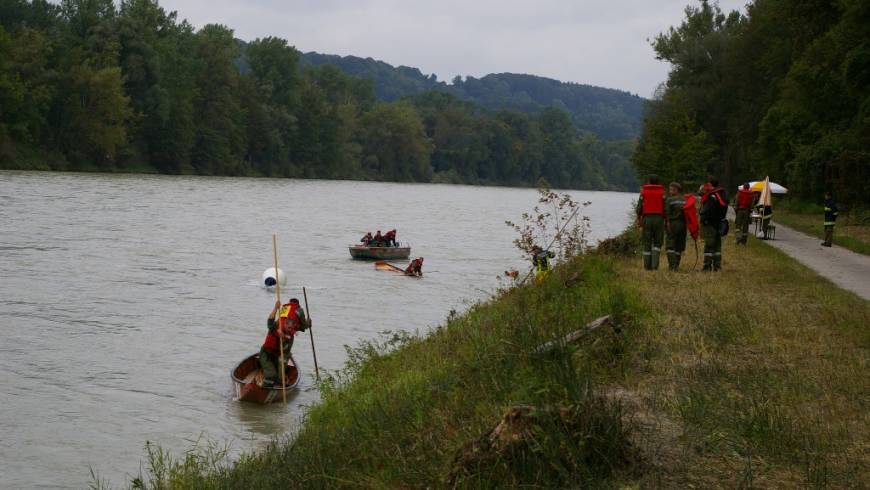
(852, 231)
(755, 376)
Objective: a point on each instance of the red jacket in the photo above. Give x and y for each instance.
(272, 343)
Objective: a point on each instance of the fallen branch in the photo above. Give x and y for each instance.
(577, 334)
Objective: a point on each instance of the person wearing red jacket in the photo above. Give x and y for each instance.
(415, 268)
(291, 320)
(390, 238)
(651, 219)
(743, 210)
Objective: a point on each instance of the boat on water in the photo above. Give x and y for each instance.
(386, 266)
(365, 252)
(248, 380)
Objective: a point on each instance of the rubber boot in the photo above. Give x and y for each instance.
(717, 261)
(708, 262)
(677, 257)
(671, 260)
(654, 258)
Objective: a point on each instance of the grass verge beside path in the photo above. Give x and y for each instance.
(853, 234)
(756, 376)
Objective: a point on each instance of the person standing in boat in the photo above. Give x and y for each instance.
(390, 238)
(415, 268)
(291, 319)
(378, 240)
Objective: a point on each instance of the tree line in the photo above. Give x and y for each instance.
(608, 113)
(91, 85)
(783, 90)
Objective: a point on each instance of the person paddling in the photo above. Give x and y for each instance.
(290, 320)
(270, 352)
(415, 268)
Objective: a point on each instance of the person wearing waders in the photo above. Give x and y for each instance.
(743, 210)
(831, 212)
(676, 225)
(651, 219)
(714, 206)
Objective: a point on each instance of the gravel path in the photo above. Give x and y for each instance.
(843, 267)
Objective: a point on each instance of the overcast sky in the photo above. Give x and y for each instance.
(596, 42)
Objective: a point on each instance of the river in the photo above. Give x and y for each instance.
(125, 300)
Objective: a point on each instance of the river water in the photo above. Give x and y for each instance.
(125, 300)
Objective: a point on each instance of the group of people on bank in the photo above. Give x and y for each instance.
(670, 215)
(387, 239)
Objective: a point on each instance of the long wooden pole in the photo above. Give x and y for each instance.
(278, 299)
(311, 333)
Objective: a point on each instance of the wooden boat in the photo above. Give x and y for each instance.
(365, 252)
(386, 266)
(248, 381)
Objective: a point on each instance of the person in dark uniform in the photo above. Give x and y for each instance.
(541, 262)
(676, 225)
(714, 206)
(831, 212)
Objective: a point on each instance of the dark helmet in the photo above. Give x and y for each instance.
(294, 301)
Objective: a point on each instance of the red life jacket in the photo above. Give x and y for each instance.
(691, 215)
(744, 199)
(714, 192)
(288, 318)
(653, 196)
(272, 344)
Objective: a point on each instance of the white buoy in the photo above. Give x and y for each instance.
(269, 277)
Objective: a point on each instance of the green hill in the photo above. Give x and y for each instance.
(611, 114)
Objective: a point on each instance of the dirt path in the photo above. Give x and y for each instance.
(843, 267)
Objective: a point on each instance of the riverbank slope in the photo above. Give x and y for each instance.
(755, 376)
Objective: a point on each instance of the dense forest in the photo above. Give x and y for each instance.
(610, 114)
(94, 85)
(783, 90)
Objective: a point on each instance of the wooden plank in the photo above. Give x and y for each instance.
(576, 335)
